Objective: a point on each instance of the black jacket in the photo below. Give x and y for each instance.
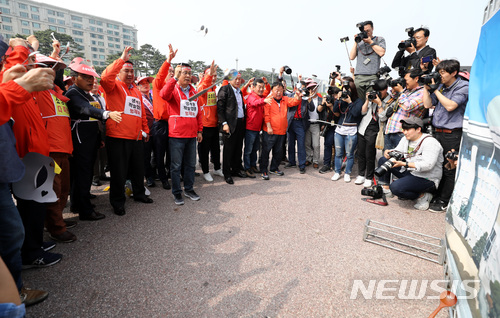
(227, 107)
(413, 60)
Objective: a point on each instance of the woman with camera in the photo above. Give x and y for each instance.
(348, 108)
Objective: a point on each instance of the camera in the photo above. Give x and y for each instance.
(386, 166)
(334, 74)
(287, 70)
(332, 92)
(383, 71)
(452, 155)
(376, 192)
(426, 79)
(411, 41)
(372, 95)
(361, 35)
(427, 125)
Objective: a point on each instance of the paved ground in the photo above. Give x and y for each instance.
(288, 247)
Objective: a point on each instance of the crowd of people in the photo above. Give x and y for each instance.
(150, 129)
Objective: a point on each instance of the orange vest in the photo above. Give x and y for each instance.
(208, 102)
(160, 108)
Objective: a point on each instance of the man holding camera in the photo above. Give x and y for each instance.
(416, 162)
(410, 104)
(420, 54)
(326, 113)
(449, 101)
(369, 49)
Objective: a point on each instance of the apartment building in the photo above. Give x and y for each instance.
(97, 36)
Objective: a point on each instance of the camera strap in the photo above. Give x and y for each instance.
(414, 151)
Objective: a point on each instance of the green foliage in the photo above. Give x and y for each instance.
(478, 249)
(45, 40)
(495, 297)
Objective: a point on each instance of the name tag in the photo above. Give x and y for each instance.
(60, 107)
(211, 99)
(188, 108)
(133, 106)
(95, 105)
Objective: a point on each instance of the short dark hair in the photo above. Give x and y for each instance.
(449, 66)
(185, 65)
(416, 72)
(352, 87)
(277, 84)
(73, 73)
(406, 126)
(369, 22)
(427, 32)
(258, 81)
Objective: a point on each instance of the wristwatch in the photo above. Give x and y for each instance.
(406, 165)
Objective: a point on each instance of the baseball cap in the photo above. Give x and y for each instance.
(413, 121)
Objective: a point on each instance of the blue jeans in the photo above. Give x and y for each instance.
(11, 234)
(329, 139)
(407, 186)
(252, 144)
(345, 144)
(182, 151)
(392, 140)
(296, 131)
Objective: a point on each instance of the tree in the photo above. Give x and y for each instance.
(495, 299)
(151, 59)
(45, 39)
(477, 250)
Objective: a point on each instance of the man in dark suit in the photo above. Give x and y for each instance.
(416, 53)
(231, 113)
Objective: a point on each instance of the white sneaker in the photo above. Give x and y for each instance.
(218, 173)
(423, 202)
(208, 177)
(336, 176)
(359, 180)
(347, 178)
(368, 183)
(387, 192)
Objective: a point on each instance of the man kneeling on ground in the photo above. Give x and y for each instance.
(419, 170)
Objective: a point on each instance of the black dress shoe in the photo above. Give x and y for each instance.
(229, 180)
(241, 174)
(166, 185)
(75, 209)
(144, 199)
(94, 216)
(119, 211)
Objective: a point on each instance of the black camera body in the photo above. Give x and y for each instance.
(411, 40)
(361, 35)
(376, 192)
(426, 79)
(372, 95)
(287, 69)
(395, 82)
(452, 155)
(383, 71)
(386, 166)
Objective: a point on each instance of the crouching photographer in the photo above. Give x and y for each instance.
(416, 162)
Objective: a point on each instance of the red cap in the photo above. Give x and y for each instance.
(80, 65)
(147, 78)
(40, 58)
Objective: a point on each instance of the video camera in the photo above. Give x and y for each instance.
(386, 166)
(361, 35)
(426, 79)
(411, 40)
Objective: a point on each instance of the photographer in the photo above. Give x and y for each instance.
(369, 49)
(326, 113)
(418, 170)
(417, 50)
(449, 101)
(348, 108)
(410, 104)
(368, 130)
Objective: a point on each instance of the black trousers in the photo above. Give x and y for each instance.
(448, 141)
(159, 132)
(85, 145)
(33, 216)
(209, 144)
(233, 149)
(148, 149)
(274, 143)
(367, 151)
(126, 158)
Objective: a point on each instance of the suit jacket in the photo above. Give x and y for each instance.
(413, 60)
(303, 111)
(227, 107)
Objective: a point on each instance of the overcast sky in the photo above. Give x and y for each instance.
(270, 34)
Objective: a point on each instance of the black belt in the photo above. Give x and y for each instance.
(297, 118)
(447, 131)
